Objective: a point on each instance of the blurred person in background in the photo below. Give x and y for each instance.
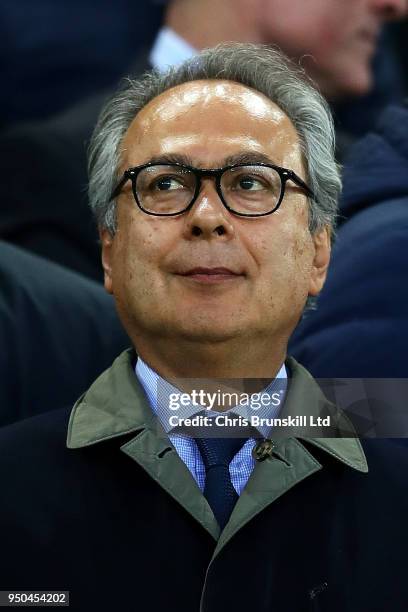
(335, 40)
(58, 331)
(43, 165)
(360, 326)
(55, 53)
(355, 116)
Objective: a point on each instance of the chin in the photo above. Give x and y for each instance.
(355, 82)
(206, 332)
(207, 336)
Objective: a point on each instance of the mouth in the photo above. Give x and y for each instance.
(211, 275)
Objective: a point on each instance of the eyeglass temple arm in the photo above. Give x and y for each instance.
(291, 176)
(118, 188)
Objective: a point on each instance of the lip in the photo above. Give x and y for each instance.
(211, 275)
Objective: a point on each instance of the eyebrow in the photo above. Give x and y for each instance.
(242, 158)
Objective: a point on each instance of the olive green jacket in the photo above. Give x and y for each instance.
(116, 405)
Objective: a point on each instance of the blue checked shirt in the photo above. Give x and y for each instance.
(241, 466)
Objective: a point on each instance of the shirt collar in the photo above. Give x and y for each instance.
(116, 404)
(158, 391)
(169, 49)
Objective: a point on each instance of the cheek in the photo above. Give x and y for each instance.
(131, 253)
(332, 39)
(143, 248)
(303, 263)
(140, 243)
(302, 30)
(286, 261)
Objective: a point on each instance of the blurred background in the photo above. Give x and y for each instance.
(53, 53)
(56, 52)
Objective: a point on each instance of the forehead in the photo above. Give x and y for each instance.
(205, 119)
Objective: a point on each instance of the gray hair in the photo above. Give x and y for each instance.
(261, 68)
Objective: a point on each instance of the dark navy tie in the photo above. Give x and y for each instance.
(217, 454)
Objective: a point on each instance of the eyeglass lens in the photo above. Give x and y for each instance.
(245, 189)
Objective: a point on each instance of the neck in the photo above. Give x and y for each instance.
(186, 18)
(232, 359)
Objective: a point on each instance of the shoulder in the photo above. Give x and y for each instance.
(383, 491)
(28, 437)
(389, 455)
(39, 474)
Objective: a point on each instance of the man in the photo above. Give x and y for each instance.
(215, 188)
(41, 159)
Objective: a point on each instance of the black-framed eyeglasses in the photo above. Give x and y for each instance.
(249, 190)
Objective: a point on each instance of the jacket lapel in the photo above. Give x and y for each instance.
(114, 406)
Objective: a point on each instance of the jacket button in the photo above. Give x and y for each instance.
(263, 449)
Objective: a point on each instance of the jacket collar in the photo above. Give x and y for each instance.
(115, 405)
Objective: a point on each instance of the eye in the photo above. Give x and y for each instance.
(249, 183)
(258, 181)
(167, 183)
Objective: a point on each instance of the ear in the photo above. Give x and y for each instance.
(322, 245)
(107, 257)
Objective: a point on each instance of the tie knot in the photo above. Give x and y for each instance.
(219, 451)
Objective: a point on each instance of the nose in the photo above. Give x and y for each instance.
(390, 10)
(208, 218)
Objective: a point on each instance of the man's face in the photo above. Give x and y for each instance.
(339, 36)
(274, 261)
